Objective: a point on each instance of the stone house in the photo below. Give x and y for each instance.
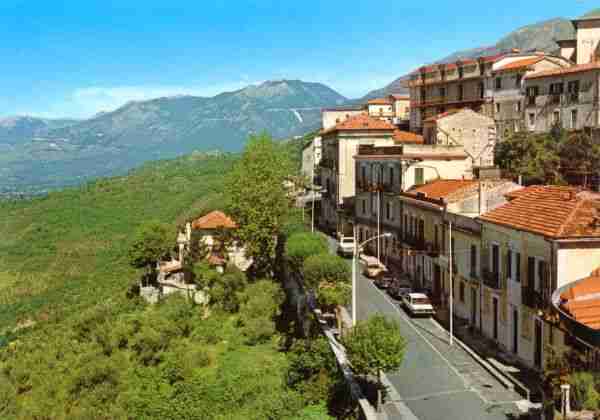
(473, 132)
(544, 238)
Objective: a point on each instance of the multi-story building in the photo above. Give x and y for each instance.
(330, 117)
(439, 88)
(426, 213)
(507, 87)
(544, 238)
(393, 108)
(568, 97)
(337, 170)
(311, 157)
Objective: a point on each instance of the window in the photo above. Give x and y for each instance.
(556, 88)
(388, 211)
(442, 91)
(573, 118)
(556, 118)
(532, 119)
(364, 206)
(419, 176)
(531, 272)
(363, 174)
(391, 175)
(405, 226)
(461, 293)
(509, 264)
(437, 237)
(497, 108)
(498, 83)
(473, 260)
(460, 92)
(518, 80)
(573, 86)
(541, 277)
(518, 106)
(421, 230)
(518, 267)
(495, 259)
(481, 90)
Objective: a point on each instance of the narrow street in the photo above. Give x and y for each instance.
(436, 381)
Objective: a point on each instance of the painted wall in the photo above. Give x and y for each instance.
(588, 40)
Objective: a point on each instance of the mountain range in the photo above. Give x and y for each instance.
(38, 154)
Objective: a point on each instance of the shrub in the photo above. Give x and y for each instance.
(302, 245)
(260, 304)
(324, 268)
(585, 395)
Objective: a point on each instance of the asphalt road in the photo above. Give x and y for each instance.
(436, 381)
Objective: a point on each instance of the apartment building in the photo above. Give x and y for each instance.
(393, 108)
(311, 157)
(507, 87)
(439, 88)
(340, 144)
(544, 238)
(568, 97)
(426, 213)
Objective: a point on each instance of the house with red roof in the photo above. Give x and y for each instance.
(543, 239)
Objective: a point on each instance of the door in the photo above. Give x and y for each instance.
(515, 331)
(437, 281)
(537, 355)
(495, 309)
(473, 306)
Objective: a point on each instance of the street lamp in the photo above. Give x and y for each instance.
(355, 252)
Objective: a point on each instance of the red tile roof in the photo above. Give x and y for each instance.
(397, 96)
(442, 188)
(552, 211)
(580, 68)
(520, 64)
(361, 122)
(453, 65)
(214, 220)
(380, 101)
(407, 137)
(582, 301)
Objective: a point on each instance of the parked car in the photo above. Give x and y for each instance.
(374, 269)
(399, 288)
(346, 246)
(384, 281)
(418, 304)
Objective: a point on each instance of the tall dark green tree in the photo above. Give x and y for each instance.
(153, 241)
(258, 200)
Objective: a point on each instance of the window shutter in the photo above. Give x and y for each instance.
(530, 272)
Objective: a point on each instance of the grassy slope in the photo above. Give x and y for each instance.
(65, 252)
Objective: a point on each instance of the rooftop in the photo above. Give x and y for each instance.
(361, 122)
(434, 118)
(407, 137)
(442, 188)
(214, 220)
(552, 211)
(521, 64)
(580, 68)
(582, 301)
(387, 100)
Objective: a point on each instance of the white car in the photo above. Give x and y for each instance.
(346, 246)
(418, 304)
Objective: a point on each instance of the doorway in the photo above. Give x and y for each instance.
(515, 331)
(495, 313)
(537, 355)
(473, 307)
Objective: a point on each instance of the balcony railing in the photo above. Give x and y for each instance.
(491, 278)
(532, 298)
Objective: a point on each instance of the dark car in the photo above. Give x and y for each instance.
(398, 289)
(384, 281)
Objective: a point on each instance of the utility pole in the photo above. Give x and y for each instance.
(451, 285)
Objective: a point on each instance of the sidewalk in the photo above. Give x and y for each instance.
(526, 380)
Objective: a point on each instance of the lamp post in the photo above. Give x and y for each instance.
(357, 249)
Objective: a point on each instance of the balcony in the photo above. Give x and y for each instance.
(532, 298)
(491, 279)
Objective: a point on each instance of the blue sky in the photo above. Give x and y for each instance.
(75, 58)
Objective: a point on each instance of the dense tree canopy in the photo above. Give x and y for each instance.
(549, 158)
(257, 199)
(153, 241)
